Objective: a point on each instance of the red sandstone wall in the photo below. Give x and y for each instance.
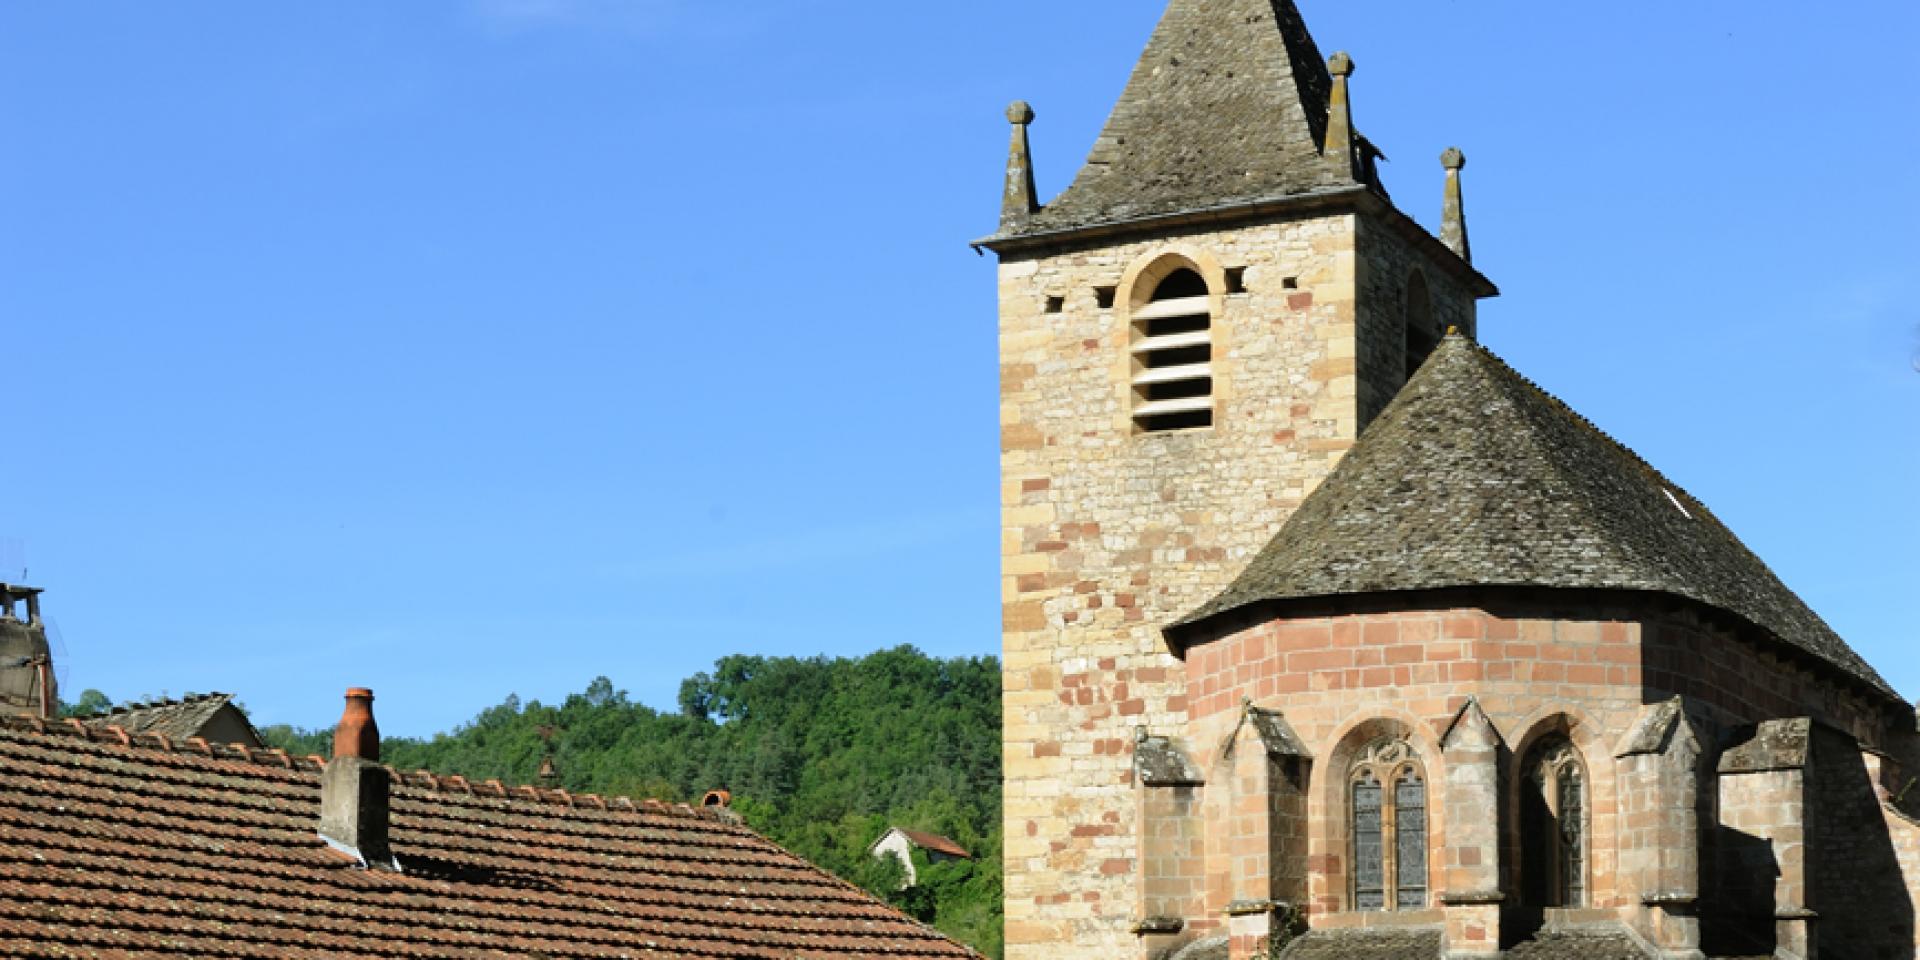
(1331, 676)
(1586, 671)
(1716, 667)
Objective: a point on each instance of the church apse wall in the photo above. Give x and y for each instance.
(1788, 852)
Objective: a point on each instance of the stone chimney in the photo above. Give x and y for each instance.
(26, 662)
(355, 790)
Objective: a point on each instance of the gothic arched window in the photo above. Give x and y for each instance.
(1554, 817)
(1388, 820)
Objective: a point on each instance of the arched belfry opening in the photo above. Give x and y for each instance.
(1173, 354)
(1421, 336)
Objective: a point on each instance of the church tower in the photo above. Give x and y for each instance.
(1191, 336)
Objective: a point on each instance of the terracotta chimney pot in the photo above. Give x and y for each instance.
(355, 790)
(358, 735)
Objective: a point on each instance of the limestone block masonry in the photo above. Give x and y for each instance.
(1110, 533)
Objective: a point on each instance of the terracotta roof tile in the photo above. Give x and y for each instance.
(936, 843)
(116, 850)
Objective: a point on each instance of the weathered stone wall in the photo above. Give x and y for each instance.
(1903, 833)
(1736, 680)
(1109, 534)
(1387, 263)
(1172, 864)
(1859, 886)
(1538, 668)
(1334, 676)
(1760, 848)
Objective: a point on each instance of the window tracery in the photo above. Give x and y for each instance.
(1388, 820)
(1555, 808)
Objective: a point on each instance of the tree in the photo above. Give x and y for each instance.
(822, 755)
(91, 702)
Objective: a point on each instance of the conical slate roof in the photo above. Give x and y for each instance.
(1227, 105)
(1475, 477)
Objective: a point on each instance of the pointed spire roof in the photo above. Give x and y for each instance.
(1475, 477)
(1227, 105)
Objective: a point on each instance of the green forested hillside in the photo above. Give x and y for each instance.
(820, 754)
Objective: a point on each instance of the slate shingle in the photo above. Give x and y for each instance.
(1476, 477)
(1367, 944)
(1228, 105)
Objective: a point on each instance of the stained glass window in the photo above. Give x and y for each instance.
(1555, 860)
(1389, 829)
(1573, 860)
(1410, 836)
(1369, 851)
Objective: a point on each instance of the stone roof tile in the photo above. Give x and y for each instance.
(1422, 943)
(1474, 477)
(1228, 105)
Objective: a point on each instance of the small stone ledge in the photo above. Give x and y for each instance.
(1158, 926)
(1159, 762)
(1248, 908)
(1774, 745)
(1669, 899)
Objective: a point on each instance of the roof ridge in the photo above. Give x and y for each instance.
(1693, 505)
(1227, 104)
(446, 785)
(1481, 350)
(1511, 379)
(186, 699)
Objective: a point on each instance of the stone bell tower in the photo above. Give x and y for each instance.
(1191, 335)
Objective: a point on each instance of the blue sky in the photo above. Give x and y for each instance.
(474, 347)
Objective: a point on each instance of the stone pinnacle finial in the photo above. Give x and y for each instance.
(1019, 201)
(1339, 150)
(1453, 213)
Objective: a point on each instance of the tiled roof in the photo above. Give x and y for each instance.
(1579, 944)
(1422, 943)
(176, 719)
(936, 843)
(120, 845)
(1228, 105)
(1476, 477)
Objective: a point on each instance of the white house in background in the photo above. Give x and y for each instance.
(900, 843)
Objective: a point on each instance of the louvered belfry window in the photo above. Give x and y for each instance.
(1389, 826)
(1173, 355)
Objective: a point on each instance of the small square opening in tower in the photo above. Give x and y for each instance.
(1236, 279)
(1290, 283)
(1056, 304)
(1104, 296)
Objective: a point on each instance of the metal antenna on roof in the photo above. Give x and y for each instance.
(56, 651)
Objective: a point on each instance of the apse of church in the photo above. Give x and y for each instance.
(1325, 629)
